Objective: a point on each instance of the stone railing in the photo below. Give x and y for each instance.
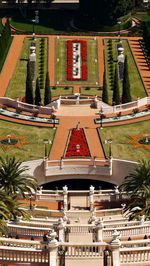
(129, 256)
(137, 230)
(15, 254)
(27, 231)
(34, 224)
(135, 243)
(84, 250)
(49, 197)
(77, 166)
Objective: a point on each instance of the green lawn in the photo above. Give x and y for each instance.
(17, 85)
(121, 148)
(57, 91)
(61, 63)
(33, 135)
(91, 91)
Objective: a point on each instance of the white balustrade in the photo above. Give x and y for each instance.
(27, 231)
(128, 231)
(134, 255)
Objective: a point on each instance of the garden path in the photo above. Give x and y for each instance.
(10, 64)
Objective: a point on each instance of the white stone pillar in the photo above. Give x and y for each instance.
(91, 197)
(61, 229)
(65, 193)
(53, 249)
(99, 228)
(117, 192)
(115, 245)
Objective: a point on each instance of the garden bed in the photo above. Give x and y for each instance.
(77, 144)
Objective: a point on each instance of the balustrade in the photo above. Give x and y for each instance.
(9, 254)
(27, 231)
(134, 255)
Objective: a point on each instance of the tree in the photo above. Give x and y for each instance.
(137, 186)
(116, 95)
(126, 96)
(105, 90)
(47, 96)
(29, 89)
(12, 177)
(37, 93)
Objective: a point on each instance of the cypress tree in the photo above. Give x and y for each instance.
(105, 91)
(47, 96)
(29, 89)
(37, 93)
(116, 95)
(126, 96)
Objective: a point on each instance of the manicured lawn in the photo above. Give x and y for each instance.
(91, 91)
(34, 137)
(17, 84)
(61, 63)
(57, 91)
(121, 148)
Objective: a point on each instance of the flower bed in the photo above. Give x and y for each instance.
(83, 59)
(77, 146)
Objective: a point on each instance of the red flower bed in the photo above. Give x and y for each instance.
(84, 69)
(78, 146)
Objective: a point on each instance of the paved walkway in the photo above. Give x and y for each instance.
(10, 64)
(68, 122)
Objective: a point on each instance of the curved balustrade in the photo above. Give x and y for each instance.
(137, 230)
(22, 243)
(27, 231)
(12, 254)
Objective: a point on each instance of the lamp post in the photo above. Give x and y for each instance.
(109, 141)
(101, 118)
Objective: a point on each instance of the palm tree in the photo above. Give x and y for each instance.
(12, 178)
(137, 186)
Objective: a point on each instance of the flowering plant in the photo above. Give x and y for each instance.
(77, 146)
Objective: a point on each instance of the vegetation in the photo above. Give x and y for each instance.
(105, 92)
(47, 97)
(104, 11)
(33, 148)
(116, 95)
(13, 182)
(61, 76)
(12, 177)
(5, 42)
(121, 146)
(137, 186)
(37, 93)
(126, 95)
(29, 88)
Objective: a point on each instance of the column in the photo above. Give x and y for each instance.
(91, 197)
(65, 193)
(99, 228)
(53, 249)
(115, 245)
